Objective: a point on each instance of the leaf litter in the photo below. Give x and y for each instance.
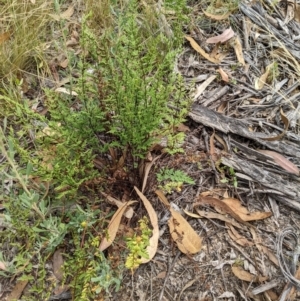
(256, 145)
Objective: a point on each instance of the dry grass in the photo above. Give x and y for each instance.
(27, 25)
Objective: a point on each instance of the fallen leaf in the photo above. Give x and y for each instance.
(58, 262)
(227, 295)
(246, 276)
(146, 171)
(222, 38)
(152, 248)
(2, 266)
(17, 290)
(182, 128)
(212, 150)
(282, 161)
(243, 212)
(162, 198)
(191, 214)
(218, 53)
(114, 226)
(64, 63)
(224, 75)
(72, 42)
(201, 88)
(67, 13)
(239, 239)
(217, 17)
(237, 46)
(60, 289)
(66, 91)
(260, 82)
(196, 47)
(258, 242)
(128, 213)
(186, 238)
(220, 205)
(212, 215)
(161, 275)
(4, 36)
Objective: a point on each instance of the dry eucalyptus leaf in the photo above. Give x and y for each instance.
(221, 206)
(224, 75)
(258, 242)
(2, 266)
(66, 91)
(196, 47)
(239, 239)
(201, 88)
(236, 44)
(67, 13)
(217, 17)
(218, 216)
(243, 212)
(222, 38)
(128, 213)
(58, 262)
(282, 162)
(146, 171)
(162, 198)
(152, 248)
(186, 238)
(191, 214)
(114, 226)
(17, 290)
(260, 82)
(246, 276)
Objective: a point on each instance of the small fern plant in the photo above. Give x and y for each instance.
(172, 179)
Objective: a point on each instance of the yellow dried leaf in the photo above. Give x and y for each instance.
(128, 213)
(67, 13)
(243, 212)
(258, 242)
(152, 248)
(196, 47)
(236, 44)
(17, 290)
(114, 226)
(246, 276)
(224, 75)
(260, 82)
(212, 215)
(187, 240)
(239, 239)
